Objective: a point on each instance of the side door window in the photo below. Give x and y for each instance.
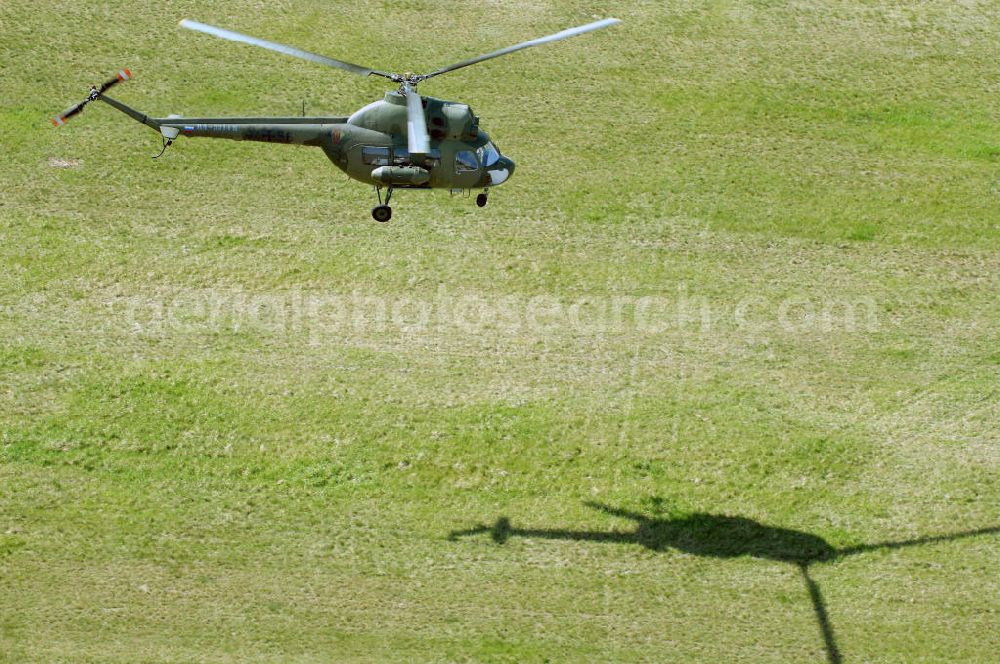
(374, 155)
(401, 157)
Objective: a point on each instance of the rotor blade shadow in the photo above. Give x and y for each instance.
(900, 544)
(501, 531)
(819, 608)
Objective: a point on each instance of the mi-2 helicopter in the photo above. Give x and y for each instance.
(404, 141)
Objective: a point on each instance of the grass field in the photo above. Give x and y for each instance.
(713, 378)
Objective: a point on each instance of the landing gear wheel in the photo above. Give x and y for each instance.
(382, 213)
(481, 200)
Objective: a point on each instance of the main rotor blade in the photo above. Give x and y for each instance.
(417, 141)
(565, 34)
(281, 48)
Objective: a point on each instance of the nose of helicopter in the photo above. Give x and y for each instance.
(501, 171)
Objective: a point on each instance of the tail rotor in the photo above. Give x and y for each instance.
(95, 92)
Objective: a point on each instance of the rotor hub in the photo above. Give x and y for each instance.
(406, 79)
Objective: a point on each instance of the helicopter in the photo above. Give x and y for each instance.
(403, 141)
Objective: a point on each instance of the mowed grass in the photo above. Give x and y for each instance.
(200, 462)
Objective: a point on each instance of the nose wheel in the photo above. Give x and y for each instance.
(382, 212)
(481, 200)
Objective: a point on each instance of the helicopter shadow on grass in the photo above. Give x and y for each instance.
(720, 536)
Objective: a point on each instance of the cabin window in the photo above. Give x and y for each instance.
(375, 156)
(488, 155)
(401, 157)
(465, 161)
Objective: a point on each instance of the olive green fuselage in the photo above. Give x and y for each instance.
(373, 140)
